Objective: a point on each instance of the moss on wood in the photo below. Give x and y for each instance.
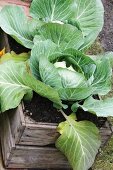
(96, 48)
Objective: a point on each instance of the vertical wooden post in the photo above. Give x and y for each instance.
(1, 163)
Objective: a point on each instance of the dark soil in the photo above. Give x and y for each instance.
(106, 36)
(14, 46)
(41, 110)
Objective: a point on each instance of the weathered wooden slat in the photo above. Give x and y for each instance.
(37, 157)
(7, 141)
(1, 162)
(27, 132)
(40, 135)
(17, 123)
(105, 133)
(25, 4)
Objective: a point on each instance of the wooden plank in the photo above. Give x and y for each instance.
(1, 162)
(37, 157)
(8, 144)
(40, 135)
(17, 123)
(25, 131)
(25, 4)
(7, 141)
(106, 133)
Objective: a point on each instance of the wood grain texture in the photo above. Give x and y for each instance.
(25, 131)
(40, 135)
(1, 162)
(7, 141)
(37, 157)
(17, 123)
(25, 4)
(29, 156)
(105, 133)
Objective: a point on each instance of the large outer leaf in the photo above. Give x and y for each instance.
(102, 108)
(73, 94)
(52, 10)
(79, 141)
(15, 82)
(65, 36)
(12, 85)
(107, 55)
(102, 77)
(14, 22)
(86, 15)
(89, 16)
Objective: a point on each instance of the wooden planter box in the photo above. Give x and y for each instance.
(28, 144)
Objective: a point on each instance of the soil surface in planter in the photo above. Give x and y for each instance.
(41, 110)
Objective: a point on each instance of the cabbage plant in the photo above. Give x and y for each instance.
(59, 70)
(62, 21)
(69, 76)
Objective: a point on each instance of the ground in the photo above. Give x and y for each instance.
(106, 36)
(104, 160)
